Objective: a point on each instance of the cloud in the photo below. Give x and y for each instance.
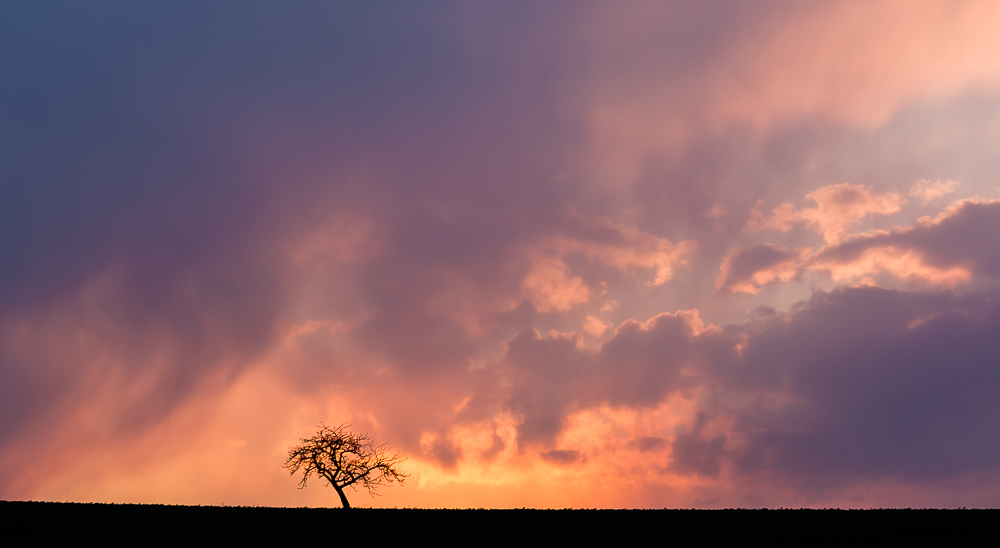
(855, 385)
(928, 191)
(839, 208)
(650, 443)
(551, 287)
(902, 264)
(879, 383)
(693, 455)
(745, 270)
(595, 327)
(543, 380)
(101, 367)
(765, 68)
(561, 456)
(460, 227)
(945, 251)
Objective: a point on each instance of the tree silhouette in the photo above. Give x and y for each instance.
(345, 460)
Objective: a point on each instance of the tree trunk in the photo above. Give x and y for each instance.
(343, 497)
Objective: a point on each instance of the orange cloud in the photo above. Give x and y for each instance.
(686, 446)
(550, 286)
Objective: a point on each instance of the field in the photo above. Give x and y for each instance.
(169, 525)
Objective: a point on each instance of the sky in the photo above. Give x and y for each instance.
(555, 254)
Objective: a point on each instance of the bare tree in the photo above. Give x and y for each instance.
(345, 460)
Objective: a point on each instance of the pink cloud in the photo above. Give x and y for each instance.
(551, 287)
(839, 208)
(928, 191)
(745, 270)
(846, 63)
(945, 251)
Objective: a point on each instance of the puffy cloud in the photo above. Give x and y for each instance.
(839, 208)
(856, 385)
(902, 264)
(550, 287)
(549, 284)
(544, 380)
(945, 251)
(595, 327)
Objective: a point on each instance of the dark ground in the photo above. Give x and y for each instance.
(135, 524)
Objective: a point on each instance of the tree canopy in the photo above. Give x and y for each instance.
(345, 460)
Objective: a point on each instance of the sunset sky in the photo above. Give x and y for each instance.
(555, 253)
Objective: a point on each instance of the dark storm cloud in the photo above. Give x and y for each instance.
(888, 384)
(141, 212)
(693, 454)
(159, 162)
